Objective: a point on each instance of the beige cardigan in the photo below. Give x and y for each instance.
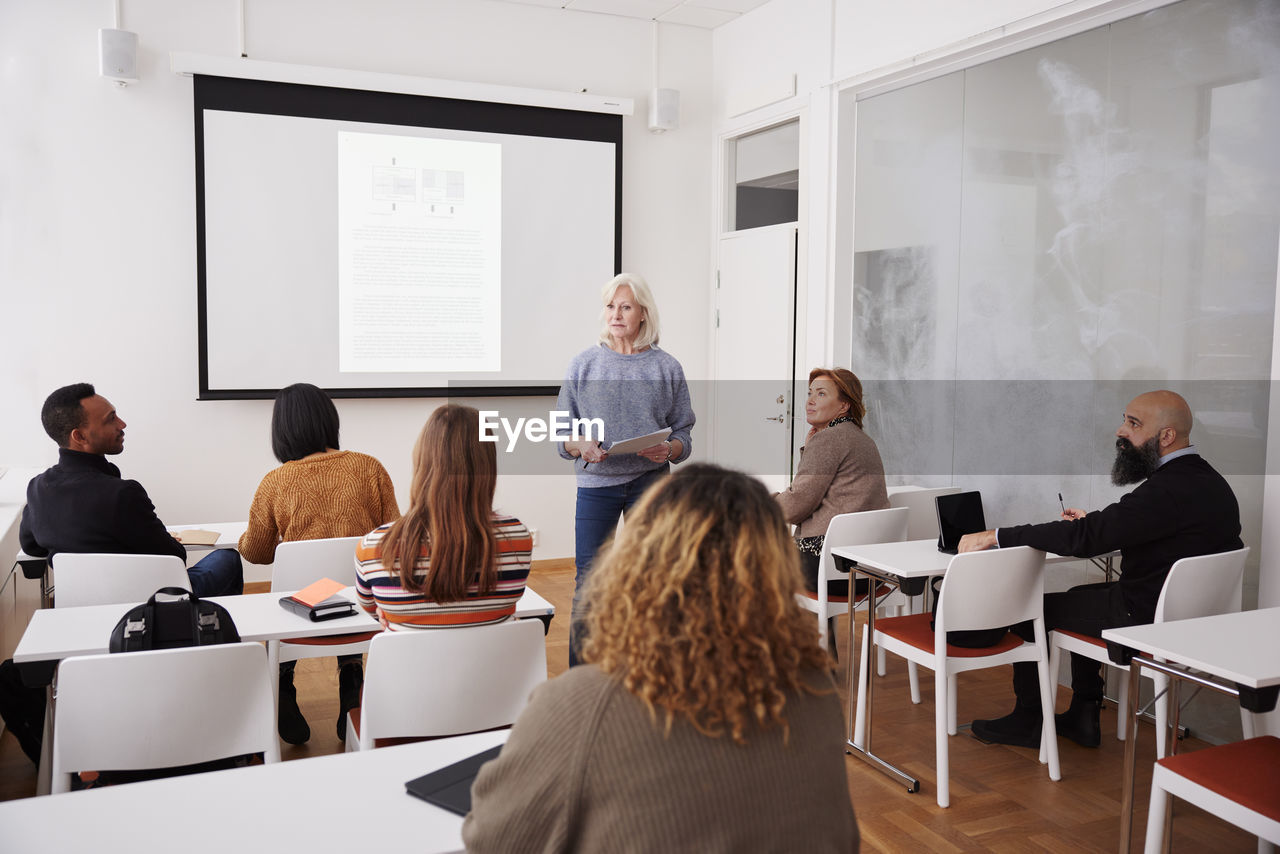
(587, 769)
(840, 472)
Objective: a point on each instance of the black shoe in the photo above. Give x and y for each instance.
(1021, 728)
(1080, 722)
(350, 683)
(290, 723)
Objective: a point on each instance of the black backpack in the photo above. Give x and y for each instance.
(165, 624)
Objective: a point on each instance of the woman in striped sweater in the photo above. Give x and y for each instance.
(450, 560)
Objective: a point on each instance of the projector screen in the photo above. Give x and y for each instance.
(390, 245)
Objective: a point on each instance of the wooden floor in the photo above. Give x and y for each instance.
(1001, 797)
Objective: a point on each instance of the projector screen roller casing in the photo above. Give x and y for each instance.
(424, 180)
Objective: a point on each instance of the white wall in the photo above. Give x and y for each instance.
(97, 231)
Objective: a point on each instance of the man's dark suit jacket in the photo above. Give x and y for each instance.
(1184, 509)
(83, 505)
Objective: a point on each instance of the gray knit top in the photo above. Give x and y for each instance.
(634, 395)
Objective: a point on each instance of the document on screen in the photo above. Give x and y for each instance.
(419, 254)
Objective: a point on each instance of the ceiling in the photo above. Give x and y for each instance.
(694, 13)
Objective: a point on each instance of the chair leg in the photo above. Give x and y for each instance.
(952, 693)
(1155, 819)
(880, 662)
(1055, 664)
(941, 706)
(1247, 726)
(831, 638)
(1049, 735)
(860, 713)
(1161, 689)
(822, 629)
(913, 679)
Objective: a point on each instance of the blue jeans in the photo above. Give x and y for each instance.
(596, 518)
(219, 573)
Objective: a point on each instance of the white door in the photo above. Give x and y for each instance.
(755, 352)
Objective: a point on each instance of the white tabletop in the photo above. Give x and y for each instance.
(228, 533)
(912, 558)
(1242, 647)
(342, 803)
(58, 633)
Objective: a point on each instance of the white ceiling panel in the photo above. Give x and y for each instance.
(707, 14)
(697, 16)
(646, 9)
(736, 6)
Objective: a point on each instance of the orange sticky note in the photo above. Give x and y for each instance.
(315, 593)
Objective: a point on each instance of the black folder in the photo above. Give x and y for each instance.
(450, 787)
(330, 609)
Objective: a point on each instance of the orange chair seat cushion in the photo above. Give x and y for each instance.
(881, 590)
(1242, 771)
(354, 720)
(1099, 642)
(334, 640)
(914, 630)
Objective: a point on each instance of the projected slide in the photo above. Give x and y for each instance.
(419, 254)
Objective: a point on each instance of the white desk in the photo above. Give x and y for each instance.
(341, 803)
(1242, 648)
(228, 534)
(57, 633)
(890, 563)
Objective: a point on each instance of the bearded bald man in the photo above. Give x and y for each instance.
(1181, 508)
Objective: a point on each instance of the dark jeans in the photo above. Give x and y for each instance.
(1087, 609)
(596, 517)
(219, 573)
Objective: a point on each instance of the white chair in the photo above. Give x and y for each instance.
(162, 709)
(981, 590)
(922, 523)
(1237, 782)
(303, 562)
(436, 682)
(848, 529)
(1195, 587)
(110, 579)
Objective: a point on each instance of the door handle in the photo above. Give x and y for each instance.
(781, 419)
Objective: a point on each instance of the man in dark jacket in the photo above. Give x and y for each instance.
(1181, 508)
(83, 505)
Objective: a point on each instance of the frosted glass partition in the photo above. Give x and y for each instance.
(1030, 242)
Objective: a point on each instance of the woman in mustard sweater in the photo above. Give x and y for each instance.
(319, 492)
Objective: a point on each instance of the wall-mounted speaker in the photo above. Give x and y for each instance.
(118, 55)
(664, 110)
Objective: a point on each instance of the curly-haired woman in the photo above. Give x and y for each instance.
(705, 720)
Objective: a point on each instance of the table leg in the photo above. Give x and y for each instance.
(1130, 758)
(273, 670)
(864, 750)
(1171, 740)
(44, 774)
